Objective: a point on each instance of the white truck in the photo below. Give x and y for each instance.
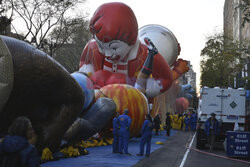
(229, 107)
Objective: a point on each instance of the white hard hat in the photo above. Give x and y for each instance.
(163, 39)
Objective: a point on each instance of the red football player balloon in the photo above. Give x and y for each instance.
(116, 55)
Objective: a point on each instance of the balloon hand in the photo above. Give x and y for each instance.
(151, 47)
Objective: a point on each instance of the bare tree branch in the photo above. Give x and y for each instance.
(41, 16)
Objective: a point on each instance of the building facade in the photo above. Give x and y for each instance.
(235, 30)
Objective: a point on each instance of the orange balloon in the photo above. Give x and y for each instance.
(127, 97)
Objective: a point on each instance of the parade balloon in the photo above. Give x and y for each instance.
(181, 104)
(115, 55)
(48, 95)
(186, 91)
(164, 40)
(127, 97)
(43, 91)
(93, 121)
(87, 87)
(6, 73)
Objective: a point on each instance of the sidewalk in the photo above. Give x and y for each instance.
(103, 156)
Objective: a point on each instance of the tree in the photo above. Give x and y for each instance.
(221, 61)
(4, 7)
(4, 20)
(1, 7)
(40, 17)
(69, 53)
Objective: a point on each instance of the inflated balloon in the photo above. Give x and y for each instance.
(43, 91)
(116, 55)
(87, 87)
(164, 40)
(93, 120)
(6, 74)
(186, 91)
(188, 96)
(181, 104)
(127, 97)
(47, 94)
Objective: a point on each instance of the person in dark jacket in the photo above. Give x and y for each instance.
(168, 124)
(146, 132)
(124, 122)
(211, 129)
(115, 134)
(17, 140)
(157, 123)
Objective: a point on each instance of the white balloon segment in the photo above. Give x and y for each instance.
(163, 39)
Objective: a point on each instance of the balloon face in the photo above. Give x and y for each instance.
(115, 50)
(127, 97)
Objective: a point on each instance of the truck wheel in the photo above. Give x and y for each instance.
(200, 144)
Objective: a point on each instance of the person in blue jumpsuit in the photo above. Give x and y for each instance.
(193, 121)
(146, 132)
(124, 122)
(186, 122)
(115, 134)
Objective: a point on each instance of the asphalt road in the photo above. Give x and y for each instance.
(171, 154)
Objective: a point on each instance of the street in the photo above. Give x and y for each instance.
(172, 154)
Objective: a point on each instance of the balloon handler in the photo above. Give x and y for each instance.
(124, 122)
(146, 132)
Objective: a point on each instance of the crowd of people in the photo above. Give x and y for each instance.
(185, 121)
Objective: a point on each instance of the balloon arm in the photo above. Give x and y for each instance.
(151, 47)
(180, 68)
(147, 66)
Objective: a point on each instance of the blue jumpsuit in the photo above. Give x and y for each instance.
(186, 121)
(124, 122)
(146, 132)
(193, 120)
(116, 137)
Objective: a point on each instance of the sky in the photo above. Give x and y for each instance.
(191, 21)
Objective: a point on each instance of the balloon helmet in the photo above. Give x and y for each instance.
(114, 21)
(164, 40)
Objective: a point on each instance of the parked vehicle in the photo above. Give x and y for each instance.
(229, 107)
